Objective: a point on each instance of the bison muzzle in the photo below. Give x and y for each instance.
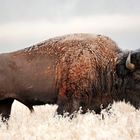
(72, 71)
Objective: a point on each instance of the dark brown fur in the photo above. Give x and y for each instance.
(71, 71)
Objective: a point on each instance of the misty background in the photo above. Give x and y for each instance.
(26, 22)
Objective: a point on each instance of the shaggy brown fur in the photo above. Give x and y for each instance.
(85, 71)
(82, 62)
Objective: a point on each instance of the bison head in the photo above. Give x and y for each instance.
(128, 72)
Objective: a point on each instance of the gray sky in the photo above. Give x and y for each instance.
(26, 22)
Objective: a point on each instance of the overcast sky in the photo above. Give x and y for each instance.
(26, 22)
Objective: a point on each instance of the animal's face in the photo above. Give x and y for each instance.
(129, 71)
(135, 87)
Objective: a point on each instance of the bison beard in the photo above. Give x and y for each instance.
(79, 70)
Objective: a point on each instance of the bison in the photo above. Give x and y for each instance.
(72, 71)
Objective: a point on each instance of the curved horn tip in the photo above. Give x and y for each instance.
(128, 64)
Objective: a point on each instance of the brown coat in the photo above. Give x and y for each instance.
(71, 71)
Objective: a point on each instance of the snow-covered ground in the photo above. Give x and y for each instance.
(122, 124)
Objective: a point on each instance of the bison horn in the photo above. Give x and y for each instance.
(128, 64)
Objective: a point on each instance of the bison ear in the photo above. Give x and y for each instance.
(128, 63)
